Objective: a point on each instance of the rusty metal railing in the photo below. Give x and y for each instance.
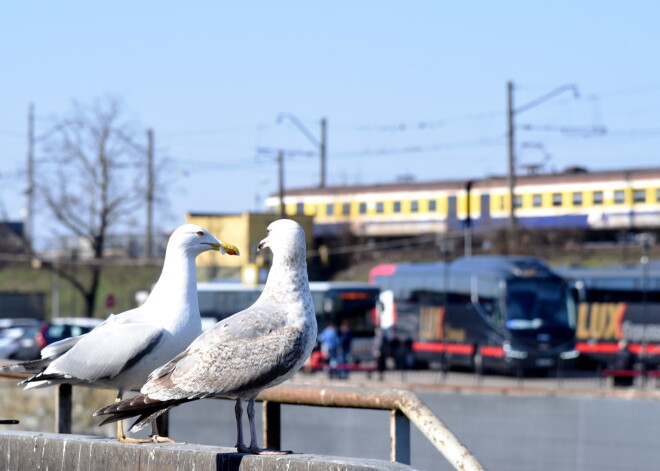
(405, 407)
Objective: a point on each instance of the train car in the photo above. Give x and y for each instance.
(615, 199)
(617, 304)
(481, 312)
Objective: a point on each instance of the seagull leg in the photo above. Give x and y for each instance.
(121, 436)
(156, 437)
(120, 424)
(254, 446)
(240, 445)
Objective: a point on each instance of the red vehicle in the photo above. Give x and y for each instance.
(64, 327)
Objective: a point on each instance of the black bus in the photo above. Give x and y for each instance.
(615, 304)
(339, 302)
(480, 312)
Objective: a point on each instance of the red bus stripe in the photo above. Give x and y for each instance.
(497, 352)
(459, 349)
(584, 347)
(612, 348)
(439, 347)
(435, 347)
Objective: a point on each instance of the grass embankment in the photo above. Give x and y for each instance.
(120, 281)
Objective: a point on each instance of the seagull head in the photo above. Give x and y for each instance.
(193, 239)
(285, 237)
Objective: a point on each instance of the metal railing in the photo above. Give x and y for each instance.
(405, 407)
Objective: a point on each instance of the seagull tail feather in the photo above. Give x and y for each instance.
(140, 405)
(31, 366)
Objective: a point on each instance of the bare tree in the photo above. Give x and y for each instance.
(92, 181)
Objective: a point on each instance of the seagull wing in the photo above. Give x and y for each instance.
(106, 351)
(243, 352)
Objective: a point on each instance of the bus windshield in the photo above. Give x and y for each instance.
(532, 304)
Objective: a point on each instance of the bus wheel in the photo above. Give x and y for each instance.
(478, 361)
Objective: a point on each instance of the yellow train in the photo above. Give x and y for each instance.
(613, 199)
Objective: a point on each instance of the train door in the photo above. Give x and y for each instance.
(452, 219)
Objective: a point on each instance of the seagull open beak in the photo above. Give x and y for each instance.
(226, 247)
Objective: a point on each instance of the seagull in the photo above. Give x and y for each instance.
(122, 351)
(242, 355)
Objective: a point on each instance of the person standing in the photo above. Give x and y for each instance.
(330, 347)
(345, 340)
(380, 351)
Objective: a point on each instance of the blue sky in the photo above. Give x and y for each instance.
(408, 88)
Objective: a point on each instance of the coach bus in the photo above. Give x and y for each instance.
(482, 312)
(615, 304)
(338, 302)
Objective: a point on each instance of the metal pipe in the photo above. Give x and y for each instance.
(63, 408)
(389, 399)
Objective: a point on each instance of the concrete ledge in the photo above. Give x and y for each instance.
(21, 451)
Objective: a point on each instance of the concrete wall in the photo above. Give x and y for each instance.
(20, 451)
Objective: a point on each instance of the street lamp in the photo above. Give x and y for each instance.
(646, 240)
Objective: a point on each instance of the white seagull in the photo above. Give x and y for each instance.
(244, 354)
(122, 351)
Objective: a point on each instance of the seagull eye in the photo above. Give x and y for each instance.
(200, 233)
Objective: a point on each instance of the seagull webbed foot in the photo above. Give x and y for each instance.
(125, 439)
(260, 451)
(268, 451)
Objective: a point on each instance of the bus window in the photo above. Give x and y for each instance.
(487, 294)
(532, 304)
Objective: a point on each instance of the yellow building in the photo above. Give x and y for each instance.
(245, 231)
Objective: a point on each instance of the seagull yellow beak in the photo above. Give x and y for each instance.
(228, 248)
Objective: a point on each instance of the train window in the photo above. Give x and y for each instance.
(330, 209)
(396, 207)
(414, 206)
(577, 198)
(597, 197)
(657, 195)
(433, 206)
(619, 197)
(556, 199)
(517, 201)
(346, 209)
(380, 207)
(300, 208)
(537, 200)
(502, 202)
(639, 196)
(363, 208)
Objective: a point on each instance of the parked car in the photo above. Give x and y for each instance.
(18, 322)
(19, 343)
(64, 327)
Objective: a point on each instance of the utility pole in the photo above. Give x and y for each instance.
(280, 167)
(150, 193)
(322, 151)
(28, 223)
(467, 228)
(513, 229)
(511, 112)
(321, 144)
